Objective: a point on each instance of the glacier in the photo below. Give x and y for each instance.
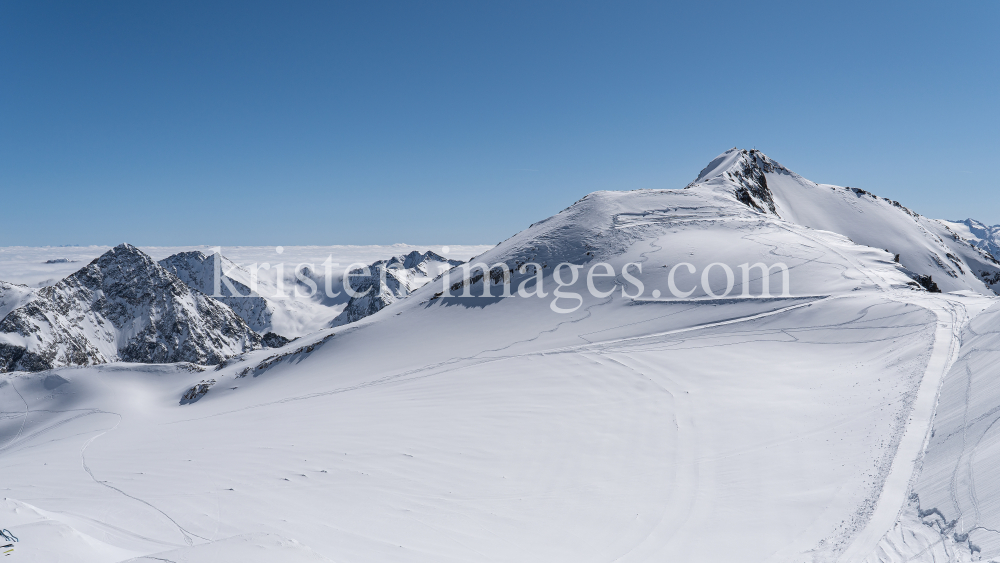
(849, 420)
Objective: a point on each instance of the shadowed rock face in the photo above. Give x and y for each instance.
(122, 306)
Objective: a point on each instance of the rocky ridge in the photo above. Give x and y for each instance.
(123, 306)
(926, 247)
(390, 280)
(197, 270)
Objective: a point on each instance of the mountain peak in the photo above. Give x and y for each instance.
(746, 169)
(738, 160)
(123, 263)
(121, 306)
(123, 253)
(125, 249)
(959, 255)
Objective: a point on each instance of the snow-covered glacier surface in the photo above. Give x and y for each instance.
(847, 419)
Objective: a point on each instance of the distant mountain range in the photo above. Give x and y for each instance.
(124, 306)
(978, 234)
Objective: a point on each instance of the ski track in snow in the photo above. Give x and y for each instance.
(893, 491)
(877, 491)
(451, 364)
(23, 420)
(83, 458)
(952, 318)
(895, 484)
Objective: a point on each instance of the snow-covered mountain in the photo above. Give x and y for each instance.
(390, 280)
(564, 422)
(925, 246)
(122, 306)
(198, 271)
(13, 296)
(978, 234)
(272, 310)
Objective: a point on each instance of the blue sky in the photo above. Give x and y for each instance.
(163, 123)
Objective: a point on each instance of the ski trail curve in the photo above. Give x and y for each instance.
(951, 318)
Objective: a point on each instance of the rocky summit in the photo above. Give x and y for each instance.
(123, 306)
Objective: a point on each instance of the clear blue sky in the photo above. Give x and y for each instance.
(162, 123)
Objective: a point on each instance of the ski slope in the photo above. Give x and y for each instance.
(644, 446)
(636, 428)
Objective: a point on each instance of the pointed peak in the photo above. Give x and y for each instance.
(123, 256)
(194, 254)
(431, 255)
(123, 251)
(124, 248)
(742, 173)
(740, 161)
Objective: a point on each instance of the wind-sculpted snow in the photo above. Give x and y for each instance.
(122, 306)
(698, 226)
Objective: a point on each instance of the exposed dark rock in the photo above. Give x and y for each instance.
(926, 282)
(122, 306)
(198, 391)
(272, 340)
